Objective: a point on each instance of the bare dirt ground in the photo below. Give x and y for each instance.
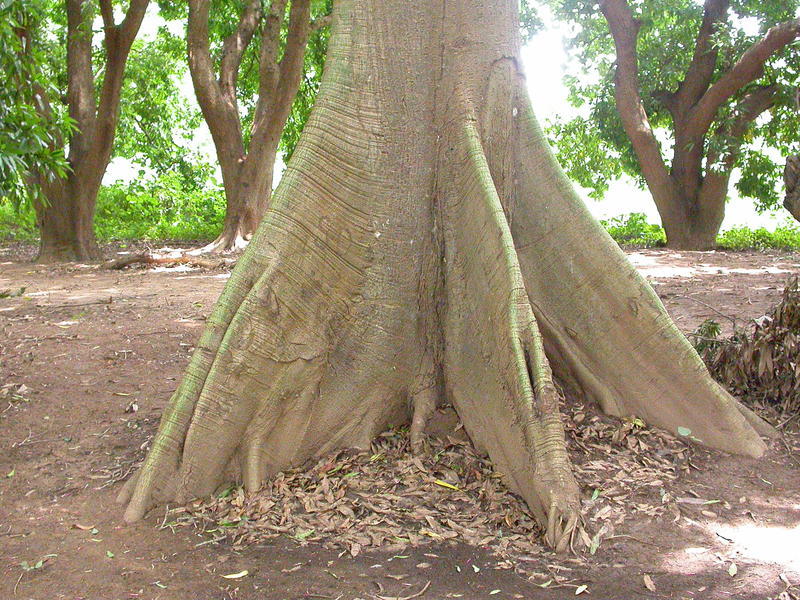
(88, 344)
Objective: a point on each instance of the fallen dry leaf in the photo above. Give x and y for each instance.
(648, 582)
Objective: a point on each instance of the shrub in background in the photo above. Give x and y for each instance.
(159, 209)
(634, 230)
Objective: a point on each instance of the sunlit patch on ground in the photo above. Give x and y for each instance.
(752, 553)
(663, 266)
(765, 543)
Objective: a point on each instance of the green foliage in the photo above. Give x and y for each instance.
(634, 230)
(157, 124)
(159, 209)
(30, 130)
(17, 223)
(529, 20)
(706, 337)
(743, 238)
(665, 48)
(154, 210)
(588, 158)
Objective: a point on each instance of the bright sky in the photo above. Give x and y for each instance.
(545, 60)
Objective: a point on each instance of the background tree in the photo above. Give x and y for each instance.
(424, 244)
(29, 132)
(688, 79)
(247, 61)
(66, 211)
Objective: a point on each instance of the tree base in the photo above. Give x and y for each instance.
(52, 252)
(235, 242)
(405, 261)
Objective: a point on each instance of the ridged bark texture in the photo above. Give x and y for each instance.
(425, 245)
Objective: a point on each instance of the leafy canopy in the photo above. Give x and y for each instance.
(31, 129)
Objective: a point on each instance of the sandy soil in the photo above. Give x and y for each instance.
(88, 343)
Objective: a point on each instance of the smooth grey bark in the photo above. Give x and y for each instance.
(425, 245)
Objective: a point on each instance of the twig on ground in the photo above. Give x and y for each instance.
(154, 259)
(709, 307)
(415, 595)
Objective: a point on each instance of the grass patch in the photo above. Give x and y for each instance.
(634, 230)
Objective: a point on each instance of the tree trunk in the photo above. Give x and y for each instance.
(424, 244)
(691, 233)
(693, 227)
(791, 182)
(247, 193)
(66, 222)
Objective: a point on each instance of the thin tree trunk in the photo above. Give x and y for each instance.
(424, 244)
(791, 182)
(247, 172)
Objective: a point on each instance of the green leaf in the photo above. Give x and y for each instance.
(109, 554)
(444, 484)
(305, 534)
(684, 431)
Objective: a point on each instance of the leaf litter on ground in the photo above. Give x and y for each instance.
(389, 498)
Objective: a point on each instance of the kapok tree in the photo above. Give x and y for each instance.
(66, 215)
(273, 39)
(424, 245)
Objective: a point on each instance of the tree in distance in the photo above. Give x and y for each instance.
(711, 84)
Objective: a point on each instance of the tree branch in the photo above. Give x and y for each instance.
(749, 108)
(625, 29)
(275, 100)
(234, 45)
(107, 13)
(80, 78)
(132, 22)
(748, 68)
(704, 60)
(118, 41)
(221, 112)
(291, 64)
(268, 73)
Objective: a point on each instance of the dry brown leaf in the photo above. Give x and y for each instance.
(648, 582)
